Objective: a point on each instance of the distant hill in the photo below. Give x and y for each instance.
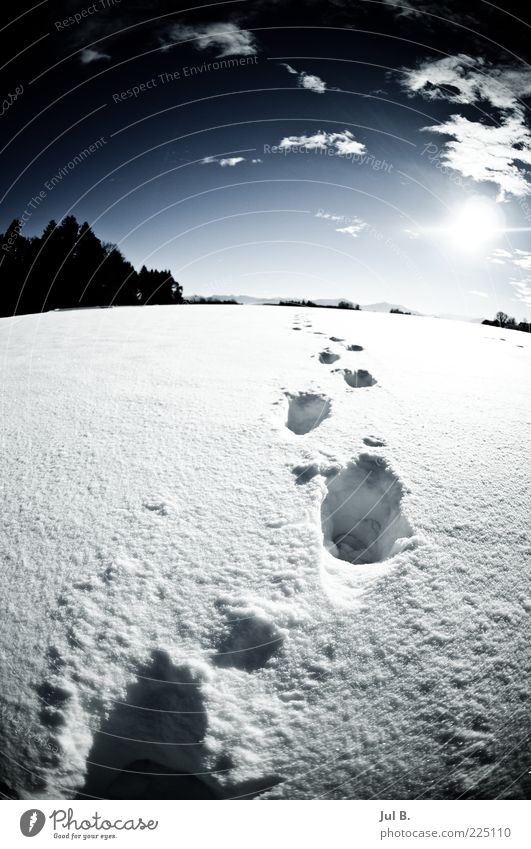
(383, 306)
(380, 306)
(323, 302)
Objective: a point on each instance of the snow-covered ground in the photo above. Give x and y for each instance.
(237, 550)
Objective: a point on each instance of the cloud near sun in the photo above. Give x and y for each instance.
(520, 261)
(495, 148)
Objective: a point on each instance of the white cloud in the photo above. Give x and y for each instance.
(353, 224)
(489, 153)
(353, 229)
(478, 293)
(522, 290)
(496, 152)
(89, 55)
(229, 161)
(468, 80)
(227, 38)
(523, 262)
(339, 144)
(520, 260)
(311, 82)
(329, 216)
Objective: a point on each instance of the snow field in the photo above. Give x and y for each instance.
(231, 570)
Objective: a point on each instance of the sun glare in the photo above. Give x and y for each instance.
(478, 221)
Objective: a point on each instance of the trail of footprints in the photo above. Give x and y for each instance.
(361, 514)
(362, 524)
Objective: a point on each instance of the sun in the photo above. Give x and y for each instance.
(478, 221)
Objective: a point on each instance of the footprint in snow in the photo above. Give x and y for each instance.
(158, 507)
(305, 472)
(327, 357)
(306, 411)
(152, 741)
(249, 640)
(336, 339)
(358, 379)
(374, 441)
(361, 516)
(152, 744)
(354, 347)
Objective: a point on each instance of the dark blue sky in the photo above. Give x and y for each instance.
(369, 150)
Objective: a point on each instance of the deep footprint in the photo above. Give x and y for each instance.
(306, 411)
(358, 379)
(361, 515)
(157, 728)
(354, 347)
(327, 357)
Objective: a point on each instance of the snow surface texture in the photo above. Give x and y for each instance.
(229, 572)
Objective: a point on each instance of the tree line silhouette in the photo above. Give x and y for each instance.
(68, 266)
(508, 322)
(341, 305)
